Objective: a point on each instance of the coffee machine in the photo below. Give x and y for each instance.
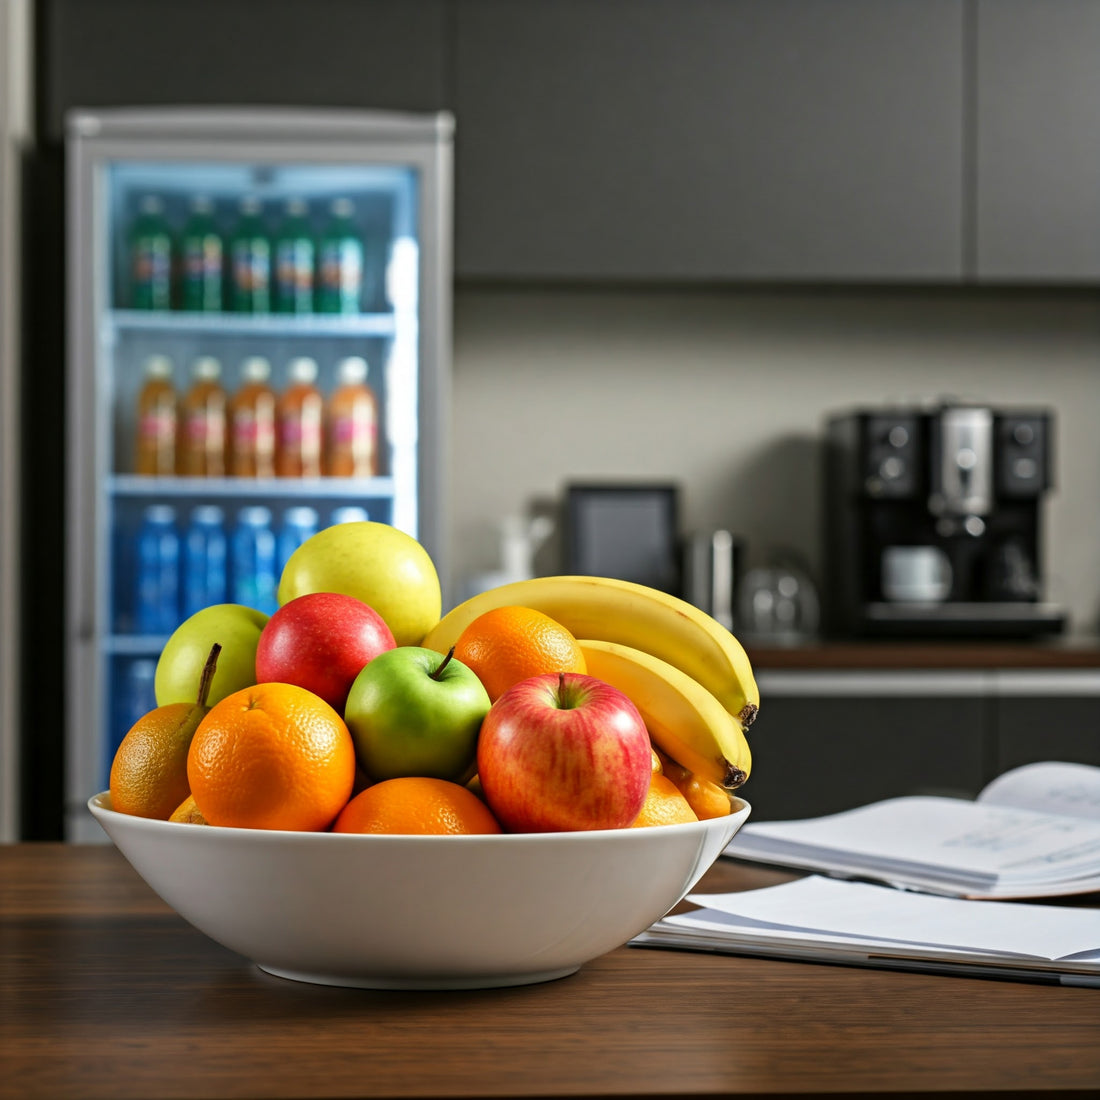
(933, 522)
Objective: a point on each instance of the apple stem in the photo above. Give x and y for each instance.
(443, 664)
(207, 677)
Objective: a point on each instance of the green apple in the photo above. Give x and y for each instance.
(376, 563)
(235, 628)
(412, 712)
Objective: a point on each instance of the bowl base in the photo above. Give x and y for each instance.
(471, 981)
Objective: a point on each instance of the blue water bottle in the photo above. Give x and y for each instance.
(205, 560)
(158, 572)
(299, 524)
(255, 565)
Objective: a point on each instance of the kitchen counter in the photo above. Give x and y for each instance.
(105, 992)
(896, 655)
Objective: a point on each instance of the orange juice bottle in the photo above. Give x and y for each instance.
(352, 423)
(203, 447)
(157, 411)
(298, 419)
(252, 422)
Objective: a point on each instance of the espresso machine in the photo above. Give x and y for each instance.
(933, 522)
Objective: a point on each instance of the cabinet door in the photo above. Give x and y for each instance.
(709, 139)
(386, 54)
(1038, 140)
(1046, 727)
(818, 755)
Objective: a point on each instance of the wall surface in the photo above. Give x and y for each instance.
(725, 391)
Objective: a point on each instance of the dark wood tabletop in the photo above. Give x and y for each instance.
(105, 992)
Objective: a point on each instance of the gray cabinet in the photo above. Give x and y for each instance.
(818, 754)
(709, 139)
(831, 740)
(388, 54)
(1037, 134)
(1047, 727)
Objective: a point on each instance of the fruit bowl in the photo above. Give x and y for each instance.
(419, 912)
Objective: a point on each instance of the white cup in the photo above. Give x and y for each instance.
(915, 574)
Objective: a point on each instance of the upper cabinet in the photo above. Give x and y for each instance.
(389, 54)
(1037, 132)
(710, 139)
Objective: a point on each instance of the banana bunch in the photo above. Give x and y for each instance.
(689, 676)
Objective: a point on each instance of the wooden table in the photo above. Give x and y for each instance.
(105, 992)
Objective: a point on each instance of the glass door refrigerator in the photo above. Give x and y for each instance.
(258, 310)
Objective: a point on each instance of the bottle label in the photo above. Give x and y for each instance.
(341, 272)
(152, 268)
(251, 266)
(157, 426)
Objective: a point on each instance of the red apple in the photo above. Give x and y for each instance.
(321, 642)
(561, 752)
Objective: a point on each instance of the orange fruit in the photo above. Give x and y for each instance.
(188, 813)
(707, 798)
(664, 804)
(271, 756)
(509, 644)
(416, 805)
(149, 769)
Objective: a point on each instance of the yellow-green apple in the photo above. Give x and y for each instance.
(564, 751)
(413, 712)
(321, 641)
(235, 628)
(376, 563)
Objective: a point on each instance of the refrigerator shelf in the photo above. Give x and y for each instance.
(250, 324)
(284, 488)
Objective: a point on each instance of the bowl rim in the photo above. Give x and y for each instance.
(100, 807)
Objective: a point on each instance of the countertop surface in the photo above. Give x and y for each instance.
(105, 992)
(1077, 652)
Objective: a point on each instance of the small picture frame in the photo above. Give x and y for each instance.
(625, 530)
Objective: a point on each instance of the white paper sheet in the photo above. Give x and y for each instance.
(821, 905)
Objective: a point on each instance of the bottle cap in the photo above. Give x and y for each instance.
(303, 369)
(353, 369)
(160, 513)
(202, 204)
(301, 516)
(296, 207)
(208, 514)
(206, 367)
(255, 515)
(256, 369)
(151, 204)
(158, 366)
(349, 514)
(250, 205)
(342, 207)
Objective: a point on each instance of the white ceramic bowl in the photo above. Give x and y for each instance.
(409, 912)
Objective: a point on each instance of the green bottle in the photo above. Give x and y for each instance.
(340, 262)
(294, 261)
(250, 261)
(201, 260)
(150, 257)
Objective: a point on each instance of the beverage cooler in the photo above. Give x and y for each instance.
(258, 346)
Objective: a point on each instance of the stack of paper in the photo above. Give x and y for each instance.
(824, 920)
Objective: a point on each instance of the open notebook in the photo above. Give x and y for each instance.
(1033, 832)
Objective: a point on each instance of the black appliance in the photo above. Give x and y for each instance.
(965, 481)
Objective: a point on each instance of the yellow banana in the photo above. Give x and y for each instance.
(685, 721)
(632, 615)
